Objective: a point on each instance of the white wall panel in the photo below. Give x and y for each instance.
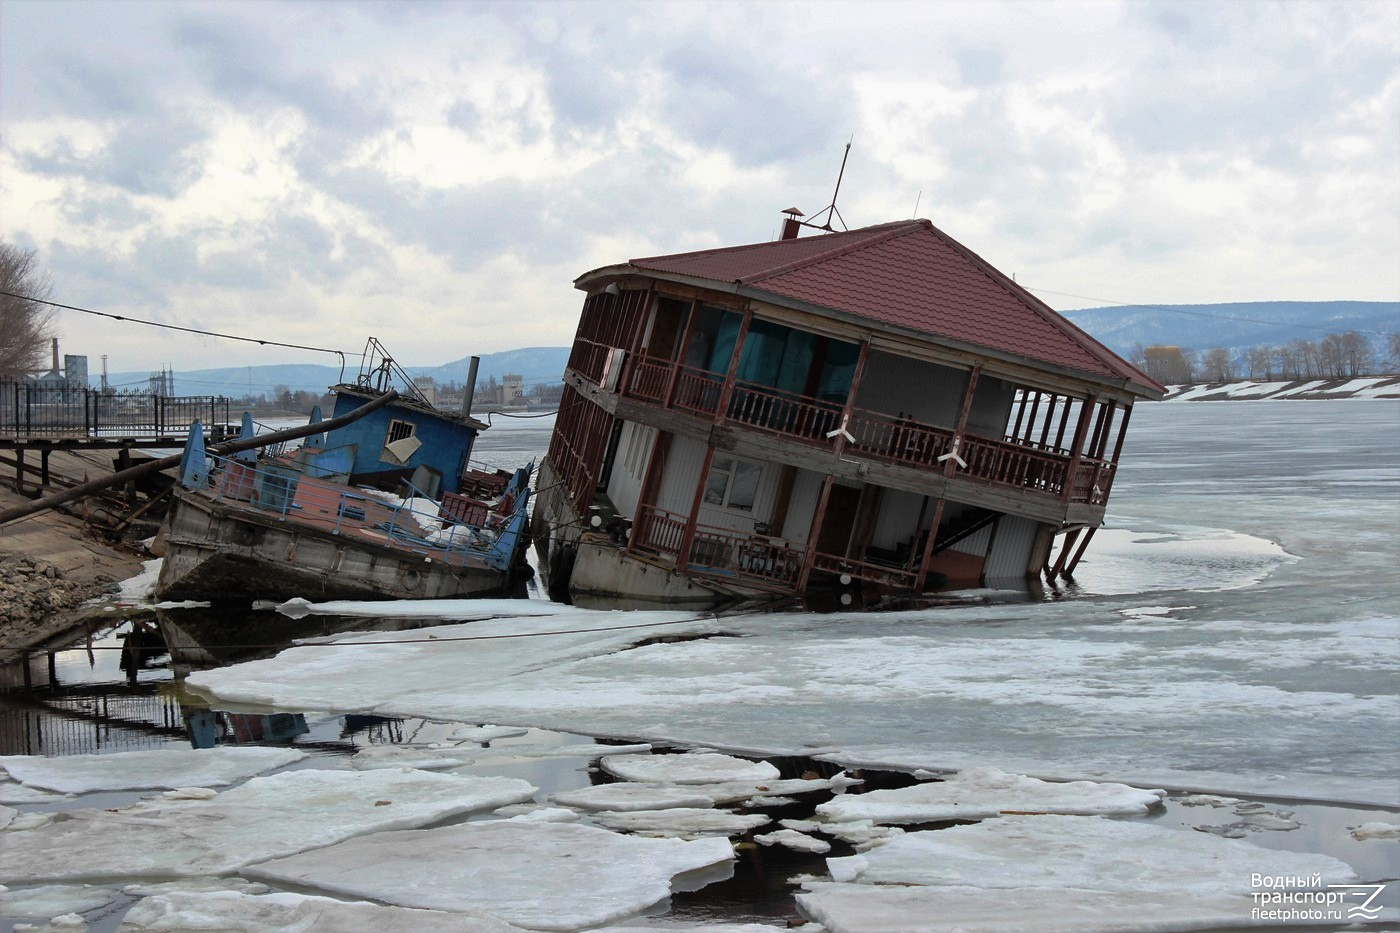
(1011, 552)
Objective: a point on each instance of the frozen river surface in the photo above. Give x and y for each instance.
(1234, 630)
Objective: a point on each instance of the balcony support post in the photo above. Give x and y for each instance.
(1086, 414)
(669, 393)
(1071, 538)
(731, 374)
(809, 558)
(950, 464)
(688, 536)
(1074, 561)
(848, 410)
(927, 555)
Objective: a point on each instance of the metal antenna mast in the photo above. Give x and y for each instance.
(830, 210)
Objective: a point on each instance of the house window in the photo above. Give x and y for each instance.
(733, 483)
(398, 430)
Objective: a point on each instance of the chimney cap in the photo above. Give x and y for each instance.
(794, 212)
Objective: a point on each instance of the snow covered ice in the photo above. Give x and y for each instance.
(264, 818)
(979, 793)
(280, 912)
(545, 876)
(156, 768)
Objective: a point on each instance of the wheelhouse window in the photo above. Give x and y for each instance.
(398, 430)
(733, 483)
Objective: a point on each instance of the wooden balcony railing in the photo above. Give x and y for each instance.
(999, 462)
(864, 570)
(716, 551)
(782, 413)
(1092, 480)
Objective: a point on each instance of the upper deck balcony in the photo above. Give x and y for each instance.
(1038, 467)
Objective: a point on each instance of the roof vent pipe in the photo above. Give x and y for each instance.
(791, 226)
(470, 390)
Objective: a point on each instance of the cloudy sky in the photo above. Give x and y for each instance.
(436, 174)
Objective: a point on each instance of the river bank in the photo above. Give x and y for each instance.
(51, 564)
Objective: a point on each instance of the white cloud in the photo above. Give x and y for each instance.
(436, 174)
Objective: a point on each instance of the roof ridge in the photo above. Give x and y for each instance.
(876, 234)
(1048, 314)
(720, 250)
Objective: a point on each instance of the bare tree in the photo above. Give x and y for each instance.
(26, 326)
(1216, 366)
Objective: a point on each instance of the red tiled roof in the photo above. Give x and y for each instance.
(910, 275)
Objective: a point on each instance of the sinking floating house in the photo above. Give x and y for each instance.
(878, 405)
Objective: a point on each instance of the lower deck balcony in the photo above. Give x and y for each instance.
(1005, 462)
(759, 561)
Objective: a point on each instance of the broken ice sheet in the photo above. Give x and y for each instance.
(52, 900)
(544, 876)
(981, 793)
(735, 791)
(680, 821)
(264, 818)
(14, 792)
(800, 842)
(628, 795)
(863, 908)
(280, 912)
(1094, 853)
(692, 768)
(152, 768)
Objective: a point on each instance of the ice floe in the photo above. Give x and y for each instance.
(702, 768)
(282, 912)
(544, 876)
(627, 795)
(1376, 830)
(1093, 853)
(267, 817)
(943, 681)
(152, 768)
(53, 900)
(683, 822)
(980, 793)
(800, 842)
(861, 908)
(15, 792)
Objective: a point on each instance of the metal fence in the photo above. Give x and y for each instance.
(60, 410)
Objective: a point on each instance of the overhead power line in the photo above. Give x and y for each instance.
(188, 330)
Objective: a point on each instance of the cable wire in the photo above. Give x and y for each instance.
(188, 330)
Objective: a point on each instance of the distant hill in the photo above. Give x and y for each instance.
(535, 364)
(1236, 326)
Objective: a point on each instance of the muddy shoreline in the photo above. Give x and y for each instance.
(52, 565)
